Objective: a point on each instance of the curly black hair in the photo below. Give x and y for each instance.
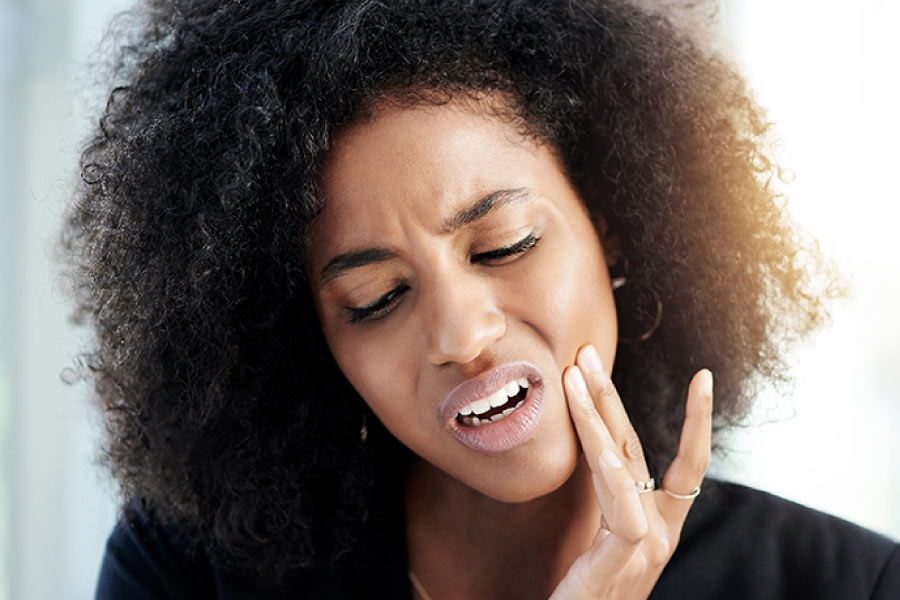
(224, 409)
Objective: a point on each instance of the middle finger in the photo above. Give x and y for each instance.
(612, 411)
(597, 442)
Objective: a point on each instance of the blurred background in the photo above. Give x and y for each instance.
(826, 70)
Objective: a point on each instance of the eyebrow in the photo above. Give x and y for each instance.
(342, 263)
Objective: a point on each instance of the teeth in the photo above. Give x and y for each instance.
(477, 422)
(498, 398)
(481, 406)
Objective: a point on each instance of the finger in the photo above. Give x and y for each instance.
(592, 432)
(625, 518)
(690, 464)
(591, 429)
(612, 412)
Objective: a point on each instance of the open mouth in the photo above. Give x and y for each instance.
(495, 407)
(512, 392)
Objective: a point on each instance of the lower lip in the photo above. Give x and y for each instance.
(508, 433)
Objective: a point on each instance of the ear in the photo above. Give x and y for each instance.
(612, 251)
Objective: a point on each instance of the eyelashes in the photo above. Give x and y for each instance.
(377, 309)
(385, 304)
(524, 245)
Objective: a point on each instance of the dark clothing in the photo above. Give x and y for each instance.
(737, 543)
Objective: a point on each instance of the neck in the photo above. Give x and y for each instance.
(463, 544)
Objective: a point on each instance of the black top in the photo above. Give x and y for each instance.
(737, 543)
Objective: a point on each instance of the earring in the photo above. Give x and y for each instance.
(618, 270)
(630, 298)
(364, 430)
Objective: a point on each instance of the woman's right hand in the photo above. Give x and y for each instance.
(640, 531)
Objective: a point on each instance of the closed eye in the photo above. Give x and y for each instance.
(496, 257)
(383, 305)
(377, 309)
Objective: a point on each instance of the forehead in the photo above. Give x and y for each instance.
(418, 163)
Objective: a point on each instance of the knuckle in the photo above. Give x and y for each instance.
(635, 534)
(585, 412)
(631, 446)
(660, 552)
(608, 392)
(699, 463)
(658, 555)
(703, 416)
(625, 487)
(695, 464)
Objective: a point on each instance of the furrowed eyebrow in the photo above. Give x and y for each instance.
(481, 208)
(342, 263)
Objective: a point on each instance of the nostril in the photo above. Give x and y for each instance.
(462, 340)
(460, 319)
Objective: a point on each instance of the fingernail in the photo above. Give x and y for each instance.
(592, 360)
(576, 380)
(708, 385)
(610, 458)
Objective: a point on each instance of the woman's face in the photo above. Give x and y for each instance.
(456, 273)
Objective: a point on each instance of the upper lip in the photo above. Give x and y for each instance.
(486, 384)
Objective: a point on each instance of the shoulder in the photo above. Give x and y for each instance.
(145, 559)
(148, 559)
(743, 543)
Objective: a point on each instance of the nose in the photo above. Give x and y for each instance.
(462, 321)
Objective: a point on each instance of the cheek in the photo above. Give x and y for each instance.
(380, 371)
(571, 301)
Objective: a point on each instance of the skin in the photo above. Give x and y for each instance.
(526, 522)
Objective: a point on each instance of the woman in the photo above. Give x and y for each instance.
(360, 273)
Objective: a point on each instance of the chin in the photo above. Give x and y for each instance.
(546, 471)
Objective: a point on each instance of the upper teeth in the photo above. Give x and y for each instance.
(498, 398)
